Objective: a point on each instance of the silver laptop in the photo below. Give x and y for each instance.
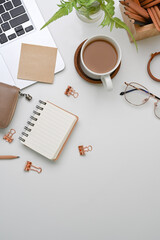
(20, 22)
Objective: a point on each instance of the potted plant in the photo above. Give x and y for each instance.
(88, 8)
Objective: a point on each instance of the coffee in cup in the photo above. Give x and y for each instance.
(100, 56)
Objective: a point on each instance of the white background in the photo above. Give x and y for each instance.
(112, 193)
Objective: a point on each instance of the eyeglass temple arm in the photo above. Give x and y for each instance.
(122, 93)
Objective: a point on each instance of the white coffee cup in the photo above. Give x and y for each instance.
(105, 77)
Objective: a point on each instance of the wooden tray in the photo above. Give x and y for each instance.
(139, 32)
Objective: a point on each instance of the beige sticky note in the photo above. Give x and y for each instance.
(37, 63)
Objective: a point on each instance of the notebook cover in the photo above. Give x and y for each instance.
(66, 138)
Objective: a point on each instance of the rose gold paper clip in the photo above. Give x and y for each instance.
(70, 91)
(83, 150)
(9, 135)
(30, 167)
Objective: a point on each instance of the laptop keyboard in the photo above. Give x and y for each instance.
(14, 20)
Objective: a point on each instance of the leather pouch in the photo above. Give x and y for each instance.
(8, 101)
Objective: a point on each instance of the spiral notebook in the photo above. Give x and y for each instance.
(48, 130)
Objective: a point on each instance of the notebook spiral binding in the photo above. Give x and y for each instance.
(27, 128)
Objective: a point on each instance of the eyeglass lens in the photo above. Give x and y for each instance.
(136, 94)
(157, 109)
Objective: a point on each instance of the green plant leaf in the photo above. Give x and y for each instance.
(88, 11)
(65, 9)
(120, 24)
(89, 7)
(112, 25)
(85, 3)
(111, 21)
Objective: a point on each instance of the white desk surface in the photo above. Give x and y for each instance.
(112, 193)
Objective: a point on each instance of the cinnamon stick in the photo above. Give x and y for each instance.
(123, 3)
(146, 2)
(157, 11)
(153, 19)
(155, 2)
(135, 17)
(128, 9)
(156, 16)
(137, 1)
(137, 22)
(141, 11)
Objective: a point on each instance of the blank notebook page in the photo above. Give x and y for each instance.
(50, 131)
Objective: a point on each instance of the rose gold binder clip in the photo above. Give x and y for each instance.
(30, 167)
(9, 135)
(83, 150)
(70, 91)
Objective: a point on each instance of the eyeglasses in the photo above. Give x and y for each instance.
(137, 95)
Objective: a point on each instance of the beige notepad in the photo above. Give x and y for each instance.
(48, 130)
(37, 63)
